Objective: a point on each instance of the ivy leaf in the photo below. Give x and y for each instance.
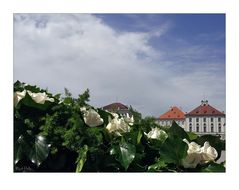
(157, 166)
(39, 151)
(192, 136)
(29, 102)
(133, 137)
(34, 148)
(124, 153)
(214, 167)
(81, 158)
(19, 145)
(104, 115)
(173, 150)
(176, 131)
(18, 86)
(127, 154)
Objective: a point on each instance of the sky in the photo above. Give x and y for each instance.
(149, 61)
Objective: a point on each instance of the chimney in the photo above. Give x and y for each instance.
(204, 102)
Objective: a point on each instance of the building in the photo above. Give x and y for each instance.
(174, 114)
(119, 108)
(206, 119)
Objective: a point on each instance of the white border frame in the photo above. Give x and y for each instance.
(25, 181)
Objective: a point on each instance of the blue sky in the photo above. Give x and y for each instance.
(149, 61)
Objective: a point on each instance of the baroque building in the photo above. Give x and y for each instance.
(206, 119)
(173, 114)
(118, 108)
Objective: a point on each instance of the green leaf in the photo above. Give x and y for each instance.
(127, 154)
(157, 166)
(81, 158)
(68, 100)
(94, 136)
(124, 153)
(133, 137)
(176, 131)
(18, 150)
(34, 148)
(214, 167)
(28, 101)
(57, 96)
(192, 136)
(104, 115)
(173, 150)
(140, 134)
(39, 151)
(18, 86)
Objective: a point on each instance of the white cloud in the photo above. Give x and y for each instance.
(81, 51)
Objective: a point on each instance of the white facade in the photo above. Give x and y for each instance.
(164, 122)
(213, 125)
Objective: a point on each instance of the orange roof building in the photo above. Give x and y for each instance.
(205, 110)
(205, 119)
(174, 114)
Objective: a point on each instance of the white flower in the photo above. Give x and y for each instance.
(157, 133)
(114, 114)
(194, 156)
(192, 160)
(118, 126)
(208, 153)
(129, 120)
(18, 96)
(83, 109)
(198, 155)
(91, 117)
(40, 97)
(193, 147)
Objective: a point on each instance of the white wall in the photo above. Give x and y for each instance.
(169, 122)
(208, 125)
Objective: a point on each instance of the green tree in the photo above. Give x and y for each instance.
(136, 114)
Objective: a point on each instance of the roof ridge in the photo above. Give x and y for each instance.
(173, 113)
(205, 109)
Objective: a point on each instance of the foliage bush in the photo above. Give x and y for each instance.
(53, 134)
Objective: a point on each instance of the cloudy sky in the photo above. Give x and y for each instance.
(149, 61)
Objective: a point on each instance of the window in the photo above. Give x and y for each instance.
(204, 128)
(190, 127)
(211, 119)
(182, 122)
(197, 129)
(204, 119)
(197, 119)
(219, 128)
(212, 129)
(190, 119)
(219, 119)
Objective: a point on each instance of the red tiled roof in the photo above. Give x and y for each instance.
(173, 113)
(205, 110)
(115, 106)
